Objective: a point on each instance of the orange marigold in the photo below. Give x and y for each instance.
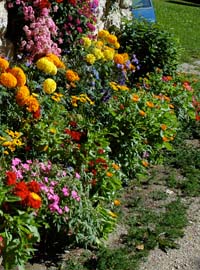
(4, 64)
(72, 76)
(19, 75)
(118, 59)
(111, 39)
(22, 94)
(56, 60)
(8, 80)
(32, 104)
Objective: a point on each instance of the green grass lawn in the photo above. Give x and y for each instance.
(182, 18)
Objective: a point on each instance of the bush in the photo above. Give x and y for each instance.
(153, 46)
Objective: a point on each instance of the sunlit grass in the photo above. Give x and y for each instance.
(182, 18)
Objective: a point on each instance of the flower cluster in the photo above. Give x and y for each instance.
(11, 77)
(44, 27)
(27, 192)
(10, 141)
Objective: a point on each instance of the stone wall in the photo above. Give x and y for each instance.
(6, 48)
(112, 11)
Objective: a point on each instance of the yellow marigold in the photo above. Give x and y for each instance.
(56, 60)
(112, 39)
(99, 44)
(19, 75)
(150, 104)
(119, 59)
(8, 80)
(103, 33)
(109, 54)
(117, 45)
(21, 95)
(171, 106)
(90, 58)
(4, 64)
(142, 113)
(86, 42)
(46, 66)
(135, 98)
(163, 127)
(49, 86)
(98, 53)
(125, 56)
(32, 104)
(72, 76)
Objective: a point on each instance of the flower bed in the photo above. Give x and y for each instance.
(74, 129)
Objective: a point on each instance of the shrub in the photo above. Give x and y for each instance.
(153, 46)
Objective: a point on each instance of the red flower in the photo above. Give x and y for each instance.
(72, 2)
(33, 200)
(73, 124)
(75, 135)
(33, 186)
(44, 4)
(21, 190)
(11, 178)
(37, 114)
(100, 160)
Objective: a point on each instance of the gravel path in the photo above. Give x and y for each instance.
(187, 257)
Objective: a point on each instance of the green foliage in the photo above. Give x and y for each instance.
(18, 230)
(154, 46)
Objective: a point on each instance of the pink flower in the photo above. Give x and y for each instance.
(79, 29)
(77, 175)
(75, 196)
(16, 161)
(26, 167)
(65, 191)
(66, 209)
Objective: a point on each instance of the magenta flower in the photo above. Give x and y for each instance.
(16, 161)
(65, 191)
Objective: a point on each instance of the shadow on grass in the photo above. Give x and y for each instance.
(193, 3)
